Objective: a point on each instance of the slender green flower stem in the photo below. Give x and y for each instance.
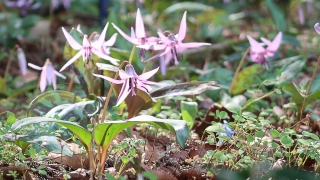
(109, 92)
(8, 65)
(258, 99)
(132, 53)
(238, 69)
(313, 76)
(306, 95)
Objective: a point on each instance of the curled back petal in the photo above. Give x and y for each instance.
(128, 38)
(183, 27)
(111, 41)
(59, 74)
(73, 43)
(140, 32)
(148, 74)
(256, 47)
(43, 80)
(106, 57)
(274, 46)
(102, 35)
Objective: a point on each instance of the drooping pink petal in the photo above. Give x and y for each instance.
(102, 35)
(106, 57)
(124, 92)
(128, 38)
(163, 65)
(255, 46)
(34, 66)
(143, 87)
(50, 71)
(167, 50)
(192, 45)
(73, 59)
(43, 80)
(274, 46)
(317, 28)
(301, 14)
(140, 32)
(111, 41)
(115, 81)
(183, 27)
(148, 74)
(73, 43)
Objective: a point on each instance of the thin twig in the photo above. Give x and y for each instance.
(238, 69)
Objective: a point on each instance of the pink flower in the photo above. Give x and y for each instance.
(171, 43)
(48, 75)
(139, 37)
(130, 81)
(259, 54)
(88, 48)
(65, 3)
(22, 5)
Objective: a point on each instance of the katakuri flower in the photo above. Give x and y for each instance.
(317, 28)
(172, 42)
(48, 75)
(22, 60)
(259, 54)
(66, 3)
(130, 81)
(22, 5)
(88, 48)
(138, 37)
(105, 48)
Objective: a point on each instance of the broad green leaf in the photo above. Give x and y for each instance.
(22, 144)
(84, 71)
(50, 143)
(274, 133)
(290, 68)
(287, 141)
(246, 77)
(189, 111)
(83, 135)
(140, 101)
(313, 136)
(187, 6)
(305, 142)
(104, 133)
(184, 89)
(250, 138)
(48, 100)
(278, 15)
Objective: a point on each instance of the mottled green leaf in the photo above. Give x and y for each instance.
(48, 100)
(50, 143)
(189, 112)
(83, 135)
(246, 77)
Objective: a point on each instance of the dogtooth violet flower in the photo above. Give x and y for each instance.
(22, 5)
(22, 60)
(138, 37)
(105, 48)
(66, 3)
(48, 75)
(88, 48)
(259, 54)
(130, 81)
(171, 43)
(317, 28)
